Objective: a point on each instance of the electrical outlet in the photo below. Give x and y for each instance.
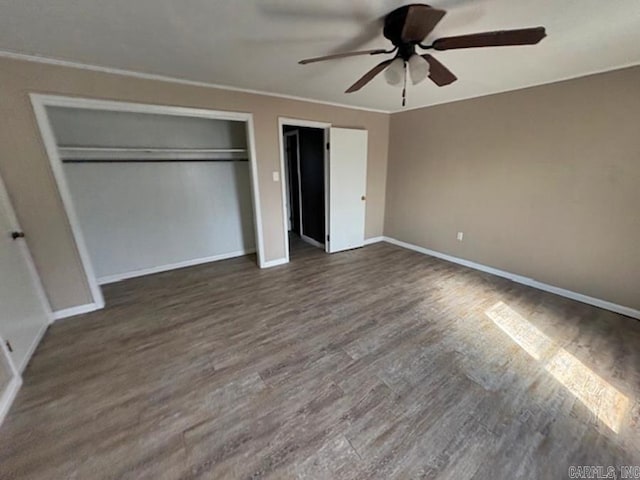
(460, 236)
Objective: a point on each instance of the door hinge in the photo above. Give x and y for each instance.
(9, 347)
(328, 145)
(17, 235)
(327, 238)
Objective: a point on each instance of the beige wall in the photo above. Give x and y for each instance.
(27, 174)
(544, 182)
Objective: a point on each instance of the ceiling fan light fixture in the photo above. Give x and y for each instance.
(418, 69)
(394, 73)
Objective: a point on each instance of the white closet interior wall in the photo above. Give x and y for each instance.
(144, 216)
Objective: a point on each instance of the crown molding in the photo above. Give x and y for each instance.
(165, 78)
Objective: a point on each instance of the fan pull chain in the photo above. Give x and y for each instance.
(404, 86)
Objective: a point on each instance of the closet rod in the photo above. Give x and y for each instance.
(159, 160)
(150, 149)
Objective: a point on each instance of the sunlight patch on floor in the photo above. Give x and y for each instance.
(530, 338)
(604, 401)
(607, 403)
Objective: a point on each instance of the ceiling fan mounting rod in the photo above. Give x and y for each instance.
(406, 51)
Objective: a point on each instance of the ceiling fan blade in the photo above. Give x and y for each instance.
(500, 38)
(438, 73)
(367, 77)
(342, 55)
(420, 21)
(370, 31)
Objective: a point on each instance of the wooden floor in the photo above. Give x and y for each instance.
(374, 363)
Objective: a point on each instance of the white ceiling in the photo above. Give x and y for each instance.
(255, 44)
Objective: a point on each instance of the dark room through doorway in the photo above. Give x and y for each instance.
(305, 186)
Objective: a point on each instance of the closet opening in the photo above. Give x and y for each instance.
(149, 188)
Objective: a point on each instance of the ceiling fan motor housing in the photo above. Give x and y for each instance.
(394, 26)
(394, 23)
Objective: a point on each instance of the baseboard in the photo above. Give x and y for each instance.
(8, 396)
(596, 302)
(274, 263)
(311, 241)
(79, 310)
(372, 240)
(172, 266)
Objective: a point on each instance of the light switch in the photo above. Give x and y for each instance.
(276, 176)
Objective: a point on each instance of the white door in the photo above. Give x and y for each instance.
(347, 188)
(24, 310)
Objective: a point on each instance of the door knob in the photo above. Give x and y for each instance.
(17, 235)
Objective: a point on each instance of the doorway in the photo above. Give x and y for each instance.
(333, 194)
(305, 186)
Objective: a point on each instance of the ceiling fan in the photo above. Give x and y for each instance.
(407, 27)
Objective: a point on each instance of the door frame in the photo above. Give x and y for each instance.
(297, 122)
(9, 394)
(7, 206)
(40, 102)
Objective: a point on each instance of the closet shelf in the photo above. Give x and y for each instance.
(118, 154)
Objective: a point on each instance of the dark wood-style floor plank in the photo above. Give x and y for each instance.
(373, 363)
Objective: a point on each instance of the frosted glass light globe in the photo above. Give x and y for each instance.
(394, 74)
(418, 69)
